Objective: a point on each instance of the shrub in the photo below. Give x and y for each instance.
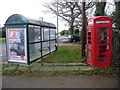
(116, 44)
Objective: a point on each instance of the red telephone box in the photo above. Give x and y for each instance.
(99, 41)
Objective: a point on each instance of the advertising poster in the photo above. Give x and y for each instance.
(16, 45)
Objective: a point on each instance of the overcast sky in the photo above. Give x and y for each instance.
(28, 8)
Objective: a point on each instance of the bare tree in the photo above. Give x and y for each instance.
(68, 11)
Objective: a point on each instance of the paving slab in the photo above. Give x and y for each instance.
(72, 68)
(60, 64)
(9, 68)
(59, 68)
(22, 68)
(81, 64)
(35, 68)
(46, 68)
(47, 64)
(71, 63)
(84, 67)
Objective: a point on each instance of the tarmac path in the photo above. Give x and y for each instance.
(60, 82)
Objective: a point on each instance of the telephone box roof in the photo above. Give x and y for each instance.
(100, 17)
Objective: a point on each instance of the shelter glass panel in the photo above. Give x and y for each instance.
(37, 34)
(52, 33)
(45, 44)
(52, 46)
(46, 34)
(45, 48)
(42, 33)
(45, 51)
(35, 51)
(31, 33)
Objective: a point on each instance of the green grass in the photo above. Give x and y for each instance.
(65, 54)
(2, 41)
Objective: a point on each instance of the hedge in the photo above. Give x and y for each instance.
(2, 34)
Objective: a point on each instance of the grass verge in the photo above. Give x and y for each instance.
(65, 54)
(37, 73)
(2, 41)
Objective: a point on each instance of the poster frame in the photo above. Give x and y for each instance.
(9, 57)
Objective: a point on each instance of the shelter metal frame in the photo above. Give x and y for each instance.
(40, 37)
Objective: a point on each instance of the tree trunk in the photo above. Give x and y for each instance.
(72, 26)
(83, 29)
(100, 8)
(71, 30)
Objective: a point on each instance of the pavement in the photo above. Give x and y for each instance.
(49, 66)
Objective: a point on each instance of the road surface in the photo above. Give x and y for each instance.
(63, 41)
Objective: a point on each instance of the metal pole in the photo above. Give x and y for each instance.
(57, 25)
(83, 29)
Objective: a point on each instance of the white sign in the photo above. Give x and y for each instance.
(90, 22)
(16, 45)
(102, 21)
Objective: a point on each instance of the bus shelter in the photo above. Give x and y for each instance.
(29, 40)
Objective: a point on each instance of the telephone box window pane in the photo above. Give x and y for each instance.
(89, 38)
(101, 60)
(102, 55)
(89, 54)
(103, 47)
(89, 46)
(89, 42)
(102, 38)
(89, 50)
(103, 42)
(89, 29)
(103, 29)
(102, 33)
(89, 33)
(102, 51)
